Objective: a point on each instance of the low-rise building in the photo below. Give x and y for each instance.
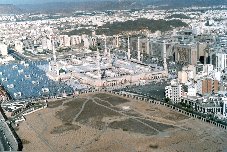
(205, 105)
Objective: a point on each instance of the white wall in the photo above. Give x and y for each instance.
(3, 49)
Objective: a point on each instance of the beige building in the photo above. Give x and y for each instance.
(187, 73)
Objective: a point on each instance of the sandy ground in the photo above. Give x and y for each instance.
(47, 130)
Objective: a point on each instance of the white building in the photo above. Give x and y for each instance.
(217, 75)
(174, 92)
(208, 69)
(19, 46)
(75, 39)
(64, 41)
(192, 90)
(224, 107)
(46, 44)
(86, 42)
(3, 50)
(221, 61)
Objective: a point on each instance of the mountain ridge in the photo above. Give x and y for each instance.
(69, 7)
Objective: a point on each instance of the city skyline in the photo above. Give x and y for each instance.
(113, 75)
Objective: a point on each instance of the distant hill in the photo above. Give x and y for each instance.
(137, 25)
(188, 3)
(9, 9)
(69, 7)
(94, 5)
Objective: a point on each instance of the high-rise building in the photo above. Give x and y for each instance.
(174, 92)
(75, 39)
(207, 86)
(186, 53)
(64, 40)
(221, 61)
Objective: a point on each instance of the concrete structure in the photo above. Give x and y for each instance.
(192, 90)
(185, 53)
(224, 113)
(156, 48)
(75, 40)
(19, 46)
(221, 61)
(202, 53)
(207, 86)
(129, 49)
(174, 91)
(54, 51)
(182, 76)
(46, 44)
(187, 73)
(64, 41)
(138, 49)
(208, 69)
(3, 49)
(207, 105)
(164, 58)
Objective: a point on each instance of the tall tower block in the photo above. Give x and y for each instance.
(54, 51)
(164, 58)
(129, 51)
(105, 51)
(138, 51)
(98, 64)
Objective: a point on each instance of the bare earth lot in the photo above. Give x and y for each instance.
(98, 122)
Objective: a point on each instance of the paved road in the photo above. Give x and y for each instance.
(4, 146)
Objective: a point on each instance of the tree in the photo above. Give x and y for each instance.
(166, 100)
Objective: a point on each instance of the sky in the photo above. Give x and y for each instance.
(34, 1)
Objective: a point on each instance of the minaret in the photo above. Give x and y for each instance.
(54, 51)
(57, 69)
(49, 66)
(109, 57)
(105, 49)
(148, 46)
(164, 58)
(109, 53)
(98, 64)
(129, 53)
(138, 53)
(117, 41)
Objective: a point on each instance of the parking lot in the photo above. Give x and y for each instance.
(154, 90)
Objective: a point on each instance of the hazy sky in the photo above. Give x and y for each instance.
(34, 1)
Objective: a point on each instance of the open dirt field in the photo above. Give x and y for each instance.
(103, 122)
